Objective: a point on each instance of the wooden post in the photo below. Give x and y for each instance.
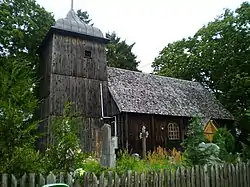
(144, 135)
(126, 131)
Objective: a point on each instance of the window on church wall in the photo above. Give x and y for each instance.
(88, 54)
(173, 131)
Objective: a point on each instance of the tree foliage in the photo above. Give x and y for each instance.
(195, 136)
(225, 140)
(17, 104)
(84, 16)
(63, 153)
(23, 26)
(119, 53)
(218, 56)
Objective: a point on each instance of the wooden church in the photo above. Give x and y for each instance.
(74, 68)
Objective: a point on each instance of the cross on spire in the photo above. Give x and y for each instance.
(72, 4)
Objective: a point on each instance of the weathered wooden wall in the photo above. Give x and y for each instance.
(130, 125)
(69, 76)
(112, 108)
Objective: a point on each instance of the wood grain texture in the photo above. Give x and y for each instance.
(166, 178)
(69, 59)
(68, 76)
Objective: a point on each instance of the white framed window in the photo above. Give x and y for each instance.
(173, 131)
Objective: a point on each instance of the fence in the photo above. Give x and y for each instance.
(227, 175)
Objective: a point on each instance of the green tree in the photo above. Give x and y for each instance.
(218, 56)
(17, 105)
(225, 140)
(197, 152)
(23, 26)
(119, 53)
(84, 16)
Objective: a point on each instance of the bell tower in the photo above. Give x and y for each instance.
(72, 67)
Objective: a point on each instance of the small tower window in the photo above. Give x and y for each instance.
(88, 54)
(173, 131)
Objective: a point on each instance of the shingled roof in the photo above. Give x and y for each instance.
(151, 94)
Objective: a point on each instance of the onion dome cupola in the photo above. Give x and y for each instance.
(72, 23)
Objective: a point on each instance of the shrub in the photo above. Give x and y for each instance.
(196, 151)
(23, 160)
(225, 140)
(158, 159)
(246, 150)
(65, 151)
(126, 162)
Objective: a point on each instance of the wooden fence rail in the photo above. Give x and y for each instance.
(226, 175)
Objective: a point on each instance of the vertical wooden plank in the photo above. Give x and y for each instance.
(221, 174)
(237, 175)
(23, 181)
(183, 177)
(213, 176)
(202, 181)
(206, 176)
(240, 174)
(188, 177)
(217, 176)
(149, 179)
(123, 180)
(14, 181)
(101, 180)
(69, 180)
(41, 180)
(173, 178)
(61, 177)
(51, 179)
(32, 180)
(230, 177)
(192, 176)
(226, 178)
(244, 174)
(129, 174)
(117, 180)
(110, 179)
(161, 178)
(94, 180)
(155, 179)
(166, 178)
(136, 179)
(178, 177)
(86, 180)
(233, 175)
(248, 173)
(197, 177)
(126, 130)
(4, 180)
(142, 180)
(152, 131)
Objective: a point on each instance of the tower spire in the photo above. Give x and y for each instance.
(72, 4)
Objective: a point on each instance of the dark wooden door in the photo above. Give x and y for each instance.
(161, 133)
(135, 124)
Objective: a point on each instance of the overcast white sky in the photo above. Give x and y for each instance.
(151, 24)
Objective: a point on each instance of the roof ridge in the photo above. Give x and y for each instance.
(155, 75)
